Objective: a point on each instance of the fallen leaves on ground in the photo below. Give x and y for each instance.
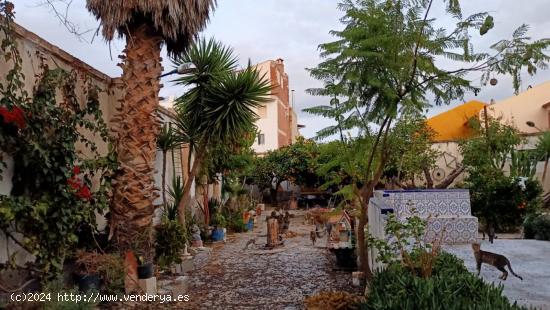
(333, 300)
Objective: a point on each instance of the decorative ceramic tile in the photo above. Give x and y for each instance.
(448, 212)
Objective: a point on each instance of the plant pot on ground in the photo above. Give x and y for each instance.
(219, 222)
(144, 251)
(218, 234)
(87, 274)
(145, 270)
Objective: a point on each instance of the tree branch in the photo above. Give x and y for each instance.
(63, 18)
(416, 48)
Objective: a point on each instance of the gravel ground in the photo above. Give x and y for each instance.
(229, 277)
(529, 258)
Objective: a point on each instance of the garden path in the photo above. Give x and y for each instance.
(230, 277)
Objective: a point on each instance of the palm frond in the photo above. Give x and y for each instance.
(176, 22)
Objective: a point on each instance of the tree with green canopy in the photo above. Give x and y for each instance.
(386, 61)
(500, 177)
(295, 163)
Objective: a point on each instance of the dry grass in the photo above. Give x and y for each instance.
(333, 300)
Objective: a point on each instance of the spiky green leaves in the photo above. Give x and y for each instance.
(221, 100)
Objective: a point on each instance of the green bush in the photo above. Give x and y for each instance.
(450, 287)
(171, 238)
(537, 226)
(236, 224)
(112, 271)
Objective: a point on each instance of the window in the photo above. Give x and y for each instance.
(261, 139)
(262, 111)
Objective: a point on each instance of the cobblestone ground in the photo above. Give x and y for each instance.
(230, 277)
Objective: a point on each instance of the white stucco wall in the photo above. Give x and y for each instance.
(269, 127)
(527, 106)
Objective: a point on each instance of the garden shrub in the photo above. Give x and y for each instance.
(419, 275)
(236, 224)
(537, 226)
(47, 134)
(112, 272)
(450, 286)
(171, 237)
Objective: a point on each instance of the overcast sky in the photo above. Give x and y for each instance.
(290, 29)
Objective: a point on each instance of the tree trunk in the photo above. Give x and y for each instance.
(136, 128)
(428, 176)
(206, 206)
(544, 171)
(164, 177)
(450, 178)
(362, 245)
(273, 193)
(186, 199)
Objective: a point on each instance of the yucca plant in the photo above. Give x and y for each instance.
(219, 106)
(176, 193)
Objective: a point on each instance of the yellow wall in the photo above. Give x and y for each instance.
(453, 124)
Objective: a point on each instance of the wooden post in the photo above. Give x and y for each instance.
(272, 233)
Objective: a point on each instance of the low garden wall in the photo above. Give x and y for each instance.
(447, 214)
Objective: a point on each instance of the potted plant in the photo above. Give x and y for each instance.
(170, 242)
(218, 221)
(88, 277)
(145, 268)
(143, 249)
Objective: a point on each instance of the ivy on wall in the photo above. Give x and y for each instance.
(53, 194)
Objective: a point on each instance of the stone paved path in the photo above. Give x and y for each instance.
(529, 259)
(229, 277)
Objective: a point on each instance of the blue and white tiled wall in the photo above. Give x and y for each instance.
(447, 212)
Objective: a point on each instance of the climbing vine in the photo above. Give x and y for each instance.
(50, 138)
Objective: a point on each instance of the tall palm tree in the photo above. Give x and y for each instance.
(219, 106)
(167, 140)
(146, 25)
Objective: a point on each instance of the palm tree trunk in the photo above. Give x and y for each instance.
(164, 177)
(136, 126)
